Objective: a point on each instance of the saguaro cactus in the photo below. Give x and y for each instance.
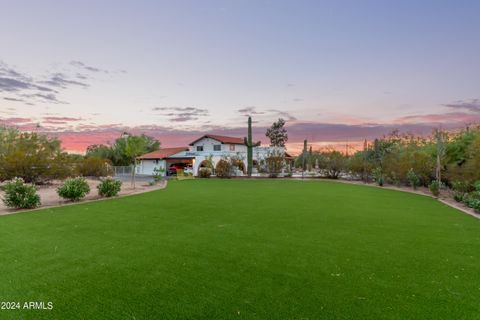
(304, 155)
(248, 142)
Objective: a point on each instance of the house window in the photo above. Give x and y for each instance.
(217, 147)
(232, 147)
(199, 148)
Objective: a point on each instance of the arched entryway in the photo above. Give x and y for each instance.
(205, 164)
(240, 165)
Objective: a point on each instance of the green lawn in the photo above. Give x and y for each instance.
(237, 249)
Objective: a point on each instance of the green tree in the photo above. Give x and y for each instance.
(117, 153)
(99, 151)
(334, 163)
(275, 162)
(133, 147)
(277, 134)
(33, 157)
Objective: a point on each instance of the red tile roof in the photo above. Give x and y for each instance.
(222, 139)
(162, 153)
(288, 156)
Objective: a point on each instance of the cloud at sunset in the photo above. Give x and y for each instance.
(77, 136)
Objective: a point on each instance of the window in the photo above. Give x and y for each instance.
(199, 148)
(217, 147)
(232, 147)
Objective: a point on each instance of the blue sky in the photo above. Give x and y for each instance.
(179, 67)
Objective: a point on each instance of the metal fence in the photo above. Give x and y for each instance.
(122, 170)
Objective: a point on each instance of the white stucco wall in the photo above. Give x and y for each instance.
(208, 144)
(240, 152)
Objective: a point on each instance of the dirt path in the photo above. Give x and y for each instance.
(49, 197)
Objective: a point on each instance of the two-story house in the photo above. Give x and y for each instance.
(205, 151)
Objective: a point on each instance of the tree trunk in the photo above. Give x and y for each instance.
(133, 176)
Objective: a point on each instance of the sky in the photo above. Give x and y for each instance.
(338, 71)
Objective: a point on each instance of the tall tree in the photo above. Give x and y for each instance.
(117, 153)
(119, 148)
(277, 134)
(99, 151)
(135, 146)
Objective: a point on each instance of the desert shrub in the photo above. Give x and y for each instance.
(460, 189)
(20, 195)
(472, 200)
(204, 173)
(34, 157)
(477, 186)
(333, 163)
(158, 174)
(94, 167)
(457, 196)
(435, 188)
(275, 162)
(74, 189)
(378, 176)
(109, 187)
(223, 169)
(413, 179)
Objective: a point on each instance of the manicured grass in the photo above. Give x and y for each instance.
(212, 249)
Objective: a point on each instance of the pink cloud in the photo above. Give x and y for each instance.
(450, 117)
(78, 136)
(14, 121)
(65, 119)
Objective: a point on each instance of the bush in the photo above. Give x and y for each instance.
(435, 188)
(413, 179)
(458, 197)
(477, 186)
(109, 187)
(460, 189)
(74, 189)
(224, 169)
(378, 176)
(204, 173)
(158, 174)
(19, 195)
(94, 167)
(475, 204)
(472, 200)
